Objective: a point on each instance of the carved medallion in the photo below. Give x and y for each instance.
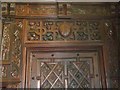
(65, 29)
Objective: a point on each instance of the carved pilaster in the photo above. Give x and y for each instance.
(11, 52)
(16, 48)
(112, 51)
(5, 46)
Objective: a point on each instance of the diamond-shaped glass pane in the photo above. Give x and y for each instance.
(45, 69)
(71, 68)
(46, 84)
(73, 84)
(58, 69)
(52, 77)
(85, 84)
(58, 84)
(79, 76)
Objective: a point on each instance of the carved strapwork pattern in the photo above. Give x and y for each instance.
(112, 49)
(5, 47)
(63, 30)
(16, 49)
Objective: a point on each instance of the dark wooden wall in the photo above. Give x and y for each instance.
(21, 19)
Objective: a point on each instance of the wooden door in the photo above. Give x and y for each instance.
(63, 70)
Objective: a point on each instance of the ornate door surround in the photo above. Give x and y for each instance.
(57, 60)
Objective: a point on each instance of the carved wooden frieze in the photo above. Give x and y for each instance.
(58, 9)
(49, 30)
(42, 10)
(71, 9)
(21, 9)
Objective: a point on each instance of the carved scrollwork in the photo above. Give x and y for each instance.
(63, 30)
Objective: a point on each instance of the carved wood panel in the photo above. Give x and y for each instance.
(62, 30)
(63, 70)
(75, 22)
(59, 9)
(42, 10)
(112, 52)
(11, 51)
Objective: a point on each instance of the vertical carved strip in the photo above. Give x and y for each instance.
(16, 49)
(112, 51)
(5, 47)
(0, 37)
